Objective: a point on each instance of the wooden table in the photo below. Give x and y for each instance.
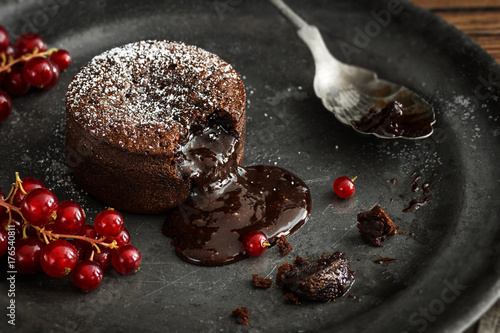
(480, 20)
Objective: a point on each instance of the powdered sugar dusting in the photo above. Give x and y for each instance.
(136, 93)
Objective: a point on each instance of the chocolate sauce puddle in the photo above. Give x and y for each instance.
(228, 201)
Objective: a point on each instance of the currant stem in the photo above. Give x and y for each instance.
(266, 244)
(7, 66)
(19, 183)
(95, 242)
(52, 236)
(353, 179)
(25, 227)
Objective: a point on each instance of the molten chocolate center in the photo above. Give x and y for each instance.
(228, 201)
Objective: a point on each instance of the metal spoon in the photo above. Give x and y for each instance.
(352, 93)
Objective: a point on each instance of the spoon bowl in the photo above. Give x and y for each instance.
(357, 97)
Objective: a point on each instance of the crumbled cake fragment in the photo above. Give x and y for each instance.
(260, 282)
(322, 279)
(283, 245)
(291, 299)
(242, 315)
(385, 261)
(374, 226)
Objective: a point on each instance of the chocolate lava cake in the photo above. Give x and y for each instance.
(130, 111)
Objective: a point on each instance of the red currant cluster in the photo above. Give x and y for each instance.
(25, 64)
(52, 236)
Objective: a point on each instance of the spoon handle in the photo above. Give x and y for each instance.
(327, 67)
(289, 13)
(310, 35)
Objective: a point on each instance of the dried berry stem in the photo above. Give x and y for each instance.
(49, 235)
(7, 65)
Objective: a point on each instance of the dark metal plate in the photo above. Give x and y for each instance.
(447, 272)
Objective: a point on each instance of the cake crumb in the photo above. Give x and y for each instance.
(242, 315)
(260, 282)
(374, 226)
(291, 298)
(283, 245)
(385, 261)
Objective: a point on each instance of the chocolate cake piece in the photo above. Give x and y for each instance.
(130, 110)
(322, 279)
(374, 226)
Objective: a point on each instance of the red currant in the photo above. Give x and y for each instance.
(58, 258)
(27, 255)
(5, 106)
(8, 52)
(15, 219)
(122, 239)
(103, 258)
(127, 259)
(87, 275)
(31, 232)
(15, 83)
(55, 76)
(70, 218)
(28, 43)
(255, 243)
(29, 184)
(4, 242)
(37, 71)
(61, 58)
(109, 223)
(38, 205)
(79, 250)
(4, 39)
(344, 187)
(89, 232)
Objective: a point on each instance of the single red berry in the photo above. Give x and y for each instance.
(4, 242)
(58, 258)
(28, 43)
(37, 71)
(344, 187)
(103, 258)
(8, 52)
(28, 184)
(5, 106)
(109, 223)
(70, 218)
(4, 39)
(127, 259)
(38, 205)
(89, 232)
(27, 255)
(55, 77)
(87, 275)
(61, 58)
(15, 83)
(122, 239)
(79, 250)
(15, 220)
(255, 243)
(31, 232)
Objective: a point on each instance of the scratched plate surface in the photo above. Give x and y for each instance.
(447, 270)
